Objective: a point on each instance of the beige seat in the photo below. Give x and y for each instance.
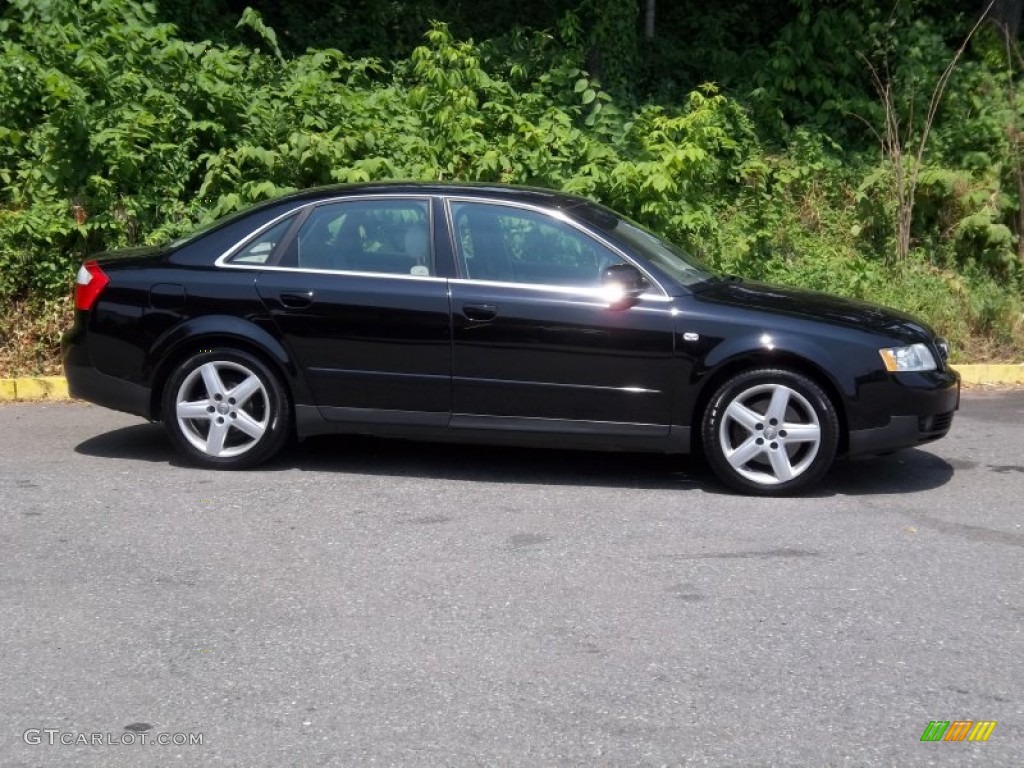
(417, 243)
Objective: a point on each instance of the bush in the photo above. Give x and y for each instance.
(118, 132)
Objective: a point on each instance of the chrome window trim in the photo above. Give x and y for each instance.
(591, 291)
(240, 244)
(344, 273)
(553, 213)
(429, 199)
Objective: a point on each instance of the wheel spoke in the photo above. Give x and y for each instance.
(802, 433)
(215, 439)
(747, 450)
(243, 391)
(743, 415)
(211, 378)
(233, 416)
(780, 402)
(780, 465)
(193, 410)
(247, 424)
(772, 448)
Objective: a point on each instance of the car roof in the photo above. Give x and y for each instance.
(494, 191)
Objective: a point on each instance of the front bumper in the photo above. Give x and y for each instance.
(921, 409)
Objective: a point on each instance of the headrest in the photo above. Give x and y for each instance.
(417, 243)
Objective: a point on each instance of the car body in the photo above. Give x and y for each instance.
(488, 313)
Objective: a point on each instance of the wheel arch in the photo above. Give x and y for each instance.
(189, 338)
(762, 358)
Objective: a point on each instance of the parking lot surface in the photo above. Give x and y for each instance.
(373, 602)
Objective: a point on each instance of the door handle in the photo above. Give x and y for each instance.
(480, 312)
(296, 300)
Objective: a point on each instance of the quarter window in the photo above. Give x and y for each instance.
(259, 249)
(516, 245)
(386, 236)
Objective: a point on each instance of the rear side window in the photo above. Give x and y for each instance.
(389, 236)
(259, 249)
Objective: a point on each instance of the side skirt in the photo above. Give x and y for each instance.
(493, 430)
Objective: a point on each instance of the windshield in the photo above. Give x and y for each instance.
(668, 257)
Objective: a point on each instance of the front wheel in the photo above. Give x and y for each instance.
(225, 409)
(770, 432)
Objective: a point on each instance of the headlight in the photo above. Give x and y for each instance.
(916, 357)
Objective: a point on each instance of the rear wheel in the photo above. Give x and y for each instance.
(225, 409)
(770, 432)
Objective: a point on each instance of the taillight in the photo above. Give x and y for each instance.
(89, 284)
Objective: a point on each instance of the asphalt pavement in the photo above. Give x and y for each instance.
(371, 602)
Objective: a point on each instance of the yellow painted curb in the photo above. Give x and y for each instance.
(34, 388)
(994, 373)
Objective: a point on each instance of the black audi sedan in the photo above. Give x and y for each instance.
(492, 314)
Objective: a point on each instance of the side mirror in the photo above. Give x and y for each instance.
(623, 285)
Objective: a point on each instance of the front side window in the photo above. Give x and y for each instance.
(664, 254)
(385, 236)
(508, 244)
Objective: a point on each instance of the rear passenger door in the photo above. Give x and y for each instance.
(357, 300)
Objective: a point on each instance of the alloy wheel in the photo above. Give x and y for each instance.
(770, 434)
(222, 409)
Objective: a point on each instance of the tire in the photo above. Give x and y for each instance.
(770, 432)
(225, 409)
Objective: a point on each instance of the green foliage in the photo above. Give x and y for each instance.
(118, 131)
(612, 51)
(106, 114)
(121, 133)
(814, 75)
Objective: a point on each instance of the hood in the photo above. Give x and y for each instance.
(812, 305)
